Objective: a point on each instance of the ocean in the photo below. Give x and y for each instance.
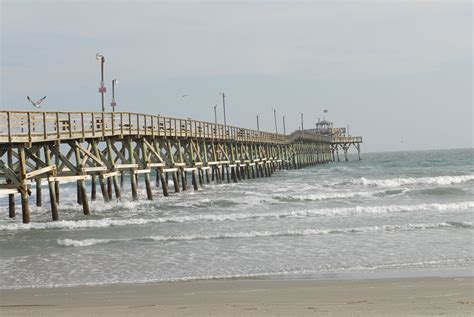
(392, 214)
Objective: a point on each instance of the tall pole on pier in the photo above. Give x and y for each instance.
(284, 127)
(113, 104)
(223, 106)
(258, 116)
(100, 58)
(302, 127)
(215, 114)
(275, 119)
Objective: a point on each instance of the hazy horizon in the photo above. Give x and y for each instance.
(399, 73)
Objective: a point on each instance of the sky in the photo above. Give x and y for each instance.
(399, 73)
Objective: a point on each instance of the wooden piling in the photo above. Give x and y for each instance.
(194, 179)
(164, 185)
(176, 182)
(51, 186)
(11, 197)
(93, 188)
(25, 207)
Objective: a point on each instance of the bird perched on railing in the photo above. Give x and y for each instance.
(36, 103)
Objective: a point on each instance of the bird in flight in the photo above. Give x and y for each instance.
(185, 96)
(37, 102)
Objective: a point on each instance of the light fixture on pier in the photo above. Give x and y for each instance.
(223, 106)
(101, 59)
(215, 113)
(275, 119)
(258, 116)
(113, 104)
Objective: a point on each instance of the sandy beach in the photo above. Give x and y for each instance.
(373, 297)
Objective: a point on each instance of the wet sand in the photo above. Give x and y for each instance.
(371, 297)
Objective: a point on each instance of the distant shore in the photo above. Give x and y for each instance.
(452, 296)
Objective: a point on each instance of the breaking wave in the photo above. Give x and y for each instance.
(397, 182)
(108, 222)
(257, 234)
(340, 195)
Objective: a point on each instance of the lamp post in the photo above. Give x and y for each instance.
(258, 116)
(215, 114)
(113, 104)
(100, 58)
(302, 127)
(275, 119)
(284, 127)
(223, 106)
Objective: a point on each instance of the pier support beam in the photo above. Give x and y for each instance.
(11, 197)
(51, 186)
(25, 207)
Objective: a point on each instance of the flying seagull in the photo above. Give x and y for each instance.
(185, 96)
(36, 103)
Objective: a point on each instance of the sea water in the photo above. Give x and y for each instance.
(391, 214)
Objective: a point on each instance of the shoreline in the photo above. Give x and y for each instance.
(453, 296)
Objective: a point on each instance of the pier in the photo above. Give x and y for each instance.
(180, 154)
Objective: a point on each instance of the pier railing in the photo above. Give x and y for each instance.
(31, 127)
(346, 139)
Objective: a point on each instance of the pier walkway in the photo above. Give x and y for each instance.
(101, 147)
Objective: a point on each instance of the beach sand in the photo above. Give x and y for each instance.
(250, 297)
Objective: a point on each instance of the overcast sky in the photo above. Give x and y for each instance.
(398, 72)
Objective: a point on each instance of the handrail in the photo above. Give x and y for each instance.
(40, 126)
(346, 139)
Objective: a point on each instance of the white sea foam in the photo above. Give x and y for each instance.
(326, 196)
(108, 222)
(82, 243)
(397, 182)
(258, 234)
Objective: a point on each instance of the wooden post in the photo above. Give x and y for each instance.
(114, 180)
(51, 185)
(149, 193)
(164, 185)
(194, 180)
(39, 202)
(133, 179)
(11, 197)
(93, 188)
(175, 182)
(201, 178)
(184, 184)
(102, 182)
(109, 187)
(227, 173)
(81, 184)
(23, 186)
(56, 183)
(233, 174)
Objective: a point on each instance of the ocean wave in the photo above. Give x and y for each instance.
(259, 234)
(108, 222)
(337, 195)
(397, 182)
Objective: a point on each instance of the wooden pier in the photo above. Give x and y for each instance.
(101, 147)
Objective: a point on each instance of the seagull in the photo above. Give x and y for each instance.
(185, 96)
(36, 103)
